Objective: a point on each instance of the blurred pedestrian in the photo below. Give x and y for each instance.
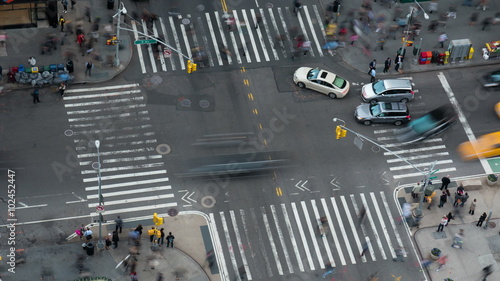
(32, 61)
(242, 272)
(481, 219)
(400, 253)
(441, 39)
(65, 5)
(170, 240)
(258, 20)
(473, 19)
(452, 11)
(445, 181)
(138, 229)
(362, 214)
(387, 65)
(88, 70)
(482, 4)
(373, 73)
(444, 221)
(427, 263)
(442, 199)
(433, 6)
(399, 64)
(118, 224)
(115, 238)
(160, 277)
(329, 270)
(306, 47)
(88, 14)
(458, 199)
(365, 248)
(162, 236)
(442, 262)
(472, 207)
(487, 22)
(296, 6)
(62, 21)
(73, 3)
(487, 271)
(433, 25)
(449, 217)
(210, 258)
(464, 199)
(133, 276)
(107, 241)
(152, 233)
(354, 38)
(36, 95)
(62, 88)
(3, 38)
(467, 3)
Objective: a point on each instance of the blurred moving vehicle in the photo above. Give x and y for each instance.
(321, 81)
(382, 112)
(237, 165)
(485, 146)
(428, 125)
(490, 79)
(398, 90)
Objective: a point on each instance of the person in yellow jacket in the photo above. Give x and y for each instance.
(152, 233)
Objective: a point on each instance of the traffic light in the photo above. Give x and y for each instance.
(340, 133)
(157, 220)
(111, 41)
(191, 67)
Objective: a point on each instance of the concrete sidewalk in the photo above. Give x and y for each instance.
(186, 261)
(481, 245)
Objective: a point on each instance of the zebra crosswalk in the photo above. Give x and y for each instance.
(285, 238)
(206, 38)
(133, 175)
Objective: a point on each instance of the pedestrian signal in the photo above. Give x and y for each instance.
(157, 220)
(340, 133)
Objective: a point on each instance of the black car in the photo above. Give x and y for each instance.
(490, 79)
(428, 125)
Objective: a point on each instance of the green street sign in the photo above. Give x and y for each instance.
(435, 171)
(148, 41)
(431, 178)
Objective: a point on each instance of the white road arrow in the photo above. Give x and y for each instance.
(187, 198)
(332, 182)
(301, 185)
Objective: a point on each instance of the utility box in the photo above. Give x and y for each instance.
(459, 50)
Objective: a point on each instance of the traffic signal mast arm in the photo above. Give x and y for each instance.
(375, 143)
(159, 41)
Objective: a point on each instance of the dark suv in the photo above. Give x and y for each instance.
(383, 112)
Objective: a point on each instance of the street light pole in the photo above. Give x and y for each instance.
(120, 11)
(100, 244)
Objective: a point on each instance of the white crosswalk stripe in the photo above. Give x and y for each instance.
(289, 233)
(201, 37)
(133, 175)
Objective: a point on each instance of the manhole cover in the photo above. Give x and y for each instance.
(186, 102)
(492, 225)
(96, 165)
(156, 80)
(269, 5)
(208, 201)
(68, 133)
(200, 8)
(163, 149)
(172, 212)
(204, 104)
(186, 21)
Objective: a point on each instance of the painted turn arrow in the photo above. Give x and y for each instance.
(187, 198)
(301, 185)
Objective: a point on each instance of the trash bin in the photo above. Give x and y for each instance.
(111, 4)
(90, 248)
(69, 66)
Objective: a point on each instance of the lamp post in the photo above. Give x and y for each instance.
(407, 29)
(100, 244)
(120, 11)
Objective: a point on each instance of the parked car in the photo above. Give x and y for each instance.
(428, 125)
(398, 90)
(383, 112)
(485, 146)
(490, 79)
(321, 81)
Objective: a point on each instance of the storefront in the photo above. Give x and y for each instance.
(27, 13)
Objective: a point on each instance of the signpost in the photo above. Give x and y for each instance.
(116, 41)
(147, 41)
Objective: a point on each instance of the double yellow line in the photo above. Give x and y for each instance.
(224, 5)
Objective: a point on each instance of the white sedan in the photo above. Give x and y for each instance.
(321, 81)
